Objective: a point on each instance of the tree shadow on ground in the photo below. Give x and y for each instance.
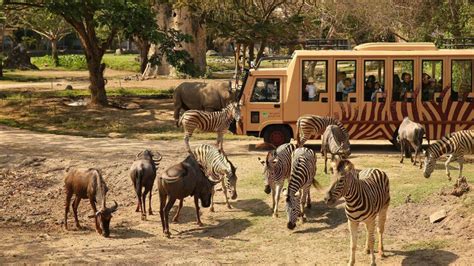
(327, 217)
(224, 228)
(256, 207)
(128, 233)
(424, 257)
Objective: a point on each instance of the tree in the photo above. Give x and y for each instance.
(43, 22)
(96, 23)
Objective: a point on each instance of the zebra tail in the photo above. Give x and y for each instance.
(316, 184)
(298, 139)
(180, 121)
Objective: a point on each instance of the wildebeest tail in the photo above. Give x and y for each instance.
(138, 181)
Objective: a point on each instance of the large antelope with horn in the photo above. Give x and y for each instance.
(88, 184)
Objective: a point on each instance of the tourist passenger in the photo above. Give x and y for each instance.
(340, 86)
(407, 86)
(311, 89)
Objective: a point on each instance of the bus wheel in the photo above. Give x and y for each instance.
(277, 135)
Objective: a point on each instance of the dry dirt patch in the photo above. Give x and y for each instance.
(32, 205)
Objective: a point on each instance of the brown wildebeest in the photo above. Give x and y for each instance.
(143, 173)
(88, 184)
(410, 135)
(179, 181)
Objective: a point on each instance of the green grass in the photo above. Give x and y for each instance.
(424, 245)
(78, 62)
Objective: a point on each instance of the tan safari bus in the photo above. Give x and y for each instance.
(370, 89)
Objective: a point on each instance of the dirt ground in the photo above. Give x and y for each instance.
(32, 209)
(58, 79)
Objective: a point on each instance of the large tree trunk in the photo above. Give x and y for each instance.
(54, 52)
(192, 25)
(1, 67)
(144, 47)
(163, 20)
(261, 49)
(237, 59)
(96, 77)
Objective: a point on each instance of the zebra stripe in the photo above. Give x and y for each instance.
(217, 122)
(310, 125)
(277, 169)
(367, 195)
(217, 167)
(303, 170)
(336, 142)
(456, 145)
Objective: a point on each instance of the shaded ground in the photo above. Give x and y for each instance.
(32, 204)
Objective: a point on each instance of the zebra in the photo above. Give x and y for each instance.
(456, 145)
(367, 195)
(309, 125)
(336, 143)
(218, 168)
(277, 167)
(303, 170)
(209, 122)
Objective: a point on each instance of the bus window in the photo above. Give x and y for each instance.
(374, 79)
(461, 79)
(266, 90)
(314, 80)
(431, 79)
(402, 79)
(346, 79)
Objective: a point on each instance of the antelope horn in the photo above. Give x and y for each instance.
(113, 208)
(159, 158)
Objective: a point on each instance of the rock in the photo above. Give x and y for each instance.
(460, 187)
(132, 106)
(211, 53)
(68, 87)
(118, 51)
(115, 135)
(18, 58)
(438, 216)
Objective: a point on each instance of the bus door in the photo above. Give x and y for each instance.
(373, 101)
(347, 92)
(315, 98)
(263, 105)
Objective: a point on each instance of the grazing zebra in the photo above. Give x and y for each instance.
(334, 141)
(310, 125)
(209, 122)
(218, 168)
(367, 195)
(410, 134)
(303, 170)
(277, 169)
(456, 145)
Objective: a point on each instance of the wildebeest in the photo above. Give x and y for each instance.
(202, 96)
(179, 181)
(143, 173)
(88, 184)
(336, 142)
(410, 135)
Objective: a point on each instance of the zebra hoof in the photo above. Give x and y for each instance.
(275, 215)
(367, 251)
(211, 209)
(308, 205)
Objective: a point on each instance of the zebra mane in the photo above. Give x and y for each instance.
(440, 147)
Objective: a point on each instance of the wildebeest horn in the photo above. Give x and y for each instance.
(159, 158)
(113, 208)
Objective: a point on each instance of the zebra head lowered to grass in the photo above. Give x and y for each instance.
(218, 122)
(303, 170)
(218, 168)
(335, 142)
(314, 125)
(456, 145)
(367, 196)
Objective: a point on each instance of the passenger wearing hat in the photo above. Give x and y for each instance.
(311, 89)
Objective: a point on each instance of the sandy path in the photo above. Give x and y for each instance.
(31, 231)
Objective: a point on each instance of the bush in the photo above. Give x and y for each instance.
(69, 62)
